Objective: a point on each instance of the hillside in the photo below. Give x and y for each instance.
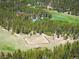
(65, 17)
(18, 19)
(39, 29)
(9, 42)
(12, 42)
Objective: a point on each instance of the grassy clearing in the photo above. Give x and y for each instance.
(9, 42)
(64, 17)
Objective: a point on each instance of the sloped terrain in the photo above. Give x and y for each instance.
(11, 42)
(64, 17)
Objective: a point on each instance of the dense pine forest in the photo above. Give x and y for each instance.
(67, 51)
(24, 16)
(70, 6)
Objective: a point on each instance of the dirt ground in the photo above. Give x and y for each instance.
(24, 41)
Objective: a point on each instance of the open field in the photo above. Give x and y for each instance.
(64, 17)
(9, 42)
